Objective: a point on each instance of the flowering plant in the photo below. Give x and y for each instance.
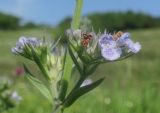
(85, 51)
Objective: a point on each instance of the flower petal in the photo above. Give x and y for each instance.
(126, 42)
(111, 53)
(135, 48)
(106, 41)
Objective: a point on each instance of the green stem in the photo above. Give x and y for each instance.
(77, 14)
(78, 84)
(58, 109)
(75, 25)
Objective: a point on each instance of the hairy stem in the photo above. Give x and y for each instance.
(75, 25)
(77, 14)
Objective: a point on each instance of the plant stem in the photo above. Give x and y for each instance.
(75, 25)
(77, 14)
(76, 20)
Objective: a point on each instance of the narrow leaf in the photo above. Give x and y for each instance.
(92, 69)
(68, 65)
(63, 89)
(81, 91)
(74, 60)
(39, 64)
(38, 84)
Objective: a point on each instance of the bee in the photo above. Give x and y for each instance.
(86, 39)
(117, 35)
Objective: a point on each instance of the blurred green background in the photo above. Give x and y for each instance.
(131, 85)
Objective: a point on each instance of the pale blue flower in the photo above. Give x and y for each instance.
(109, 48)
(32, 41)
(19, 45)
(125, 42)
(111, 53)
(124, 39)
(135, 47)
(106, 40)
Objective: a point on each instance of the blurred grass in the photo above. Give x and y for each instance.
(131, 86)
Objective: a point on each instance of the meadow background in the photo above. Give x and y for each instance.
(131, 85)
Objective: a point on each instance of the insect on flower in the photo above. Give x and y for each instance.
(117, 35)
(86, 39)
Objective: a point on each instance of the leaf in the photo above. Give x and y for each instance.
(67, 66)
(43, 55)
(75, 60)
(39, 64)
(81, 91)
(63, 89)
(67, 69)
(38, 84)
(78, 49)
(92, 69)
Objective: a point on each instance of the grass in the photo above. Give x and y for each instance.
(131, 86)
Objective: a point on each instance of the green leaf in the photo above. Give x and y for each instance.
(92, 69)
(38, 84)
(39, 64)
(63, 89)
(43, 54)
(81, 91)
(75, 60)
(68, 65)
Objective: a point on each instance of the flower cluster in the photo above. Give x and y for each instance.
(24, 42)
(43, 53)
(84, 43)
(111, 46)
(31, 48)
(117, 45)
